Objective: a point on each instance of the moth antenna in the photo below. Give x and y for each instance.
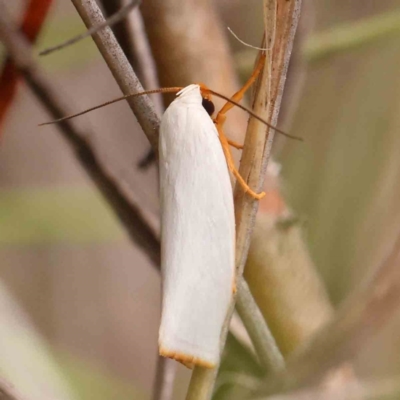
(253, 114)
(113, 19)
(163, 90)
(174, 90)
(244, 43)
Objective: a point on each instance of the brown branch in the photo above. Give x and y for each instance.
(122, 71)
(112, 187)
(355, 324)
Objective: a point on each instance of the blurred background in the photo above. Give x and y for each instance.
(81, 303)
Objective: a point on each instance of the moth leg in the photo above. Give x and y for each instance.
(235, 144)
(219, 123)
(231, 164)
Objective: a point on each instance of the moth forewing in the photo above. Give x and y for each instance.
(198, 233)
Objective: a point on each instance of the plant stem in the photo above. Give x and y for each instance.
(165, 377)
(264, 343)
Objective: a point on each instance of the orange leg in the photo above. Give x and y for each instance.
(234, 144)
(220, 120)
(231, 164)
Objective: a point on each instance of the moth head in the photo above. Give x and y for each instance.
(207, 102)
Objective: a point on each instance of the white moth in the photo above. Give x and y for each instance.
(197, 234)
(198, 224)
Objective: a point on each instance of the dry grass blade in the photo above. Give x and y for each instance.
(256, 153)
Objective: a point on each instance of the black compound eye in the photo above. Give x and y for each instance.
(208, 106)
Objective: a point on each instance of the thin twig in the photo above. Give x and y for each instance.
(122, 71)
(165, 377)
(264, 343)
(112, 187)
(118, 16)
(357, 322)
(254, 162)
